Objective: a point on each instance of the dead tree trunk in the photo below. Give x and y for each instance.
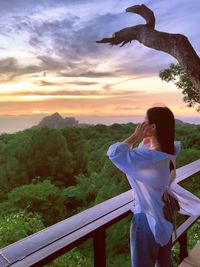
(177, 45)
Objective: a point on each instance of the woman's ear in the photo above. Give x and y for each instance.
(153, 128)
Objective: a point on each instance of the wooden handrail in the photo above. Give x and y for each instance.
(46, 245)
(187, 170)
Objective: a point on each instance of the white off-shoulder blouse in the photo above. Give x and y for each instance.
(149, 176)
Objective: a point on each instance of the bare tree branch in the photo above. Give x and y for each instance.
(177, 45)
(144, 12)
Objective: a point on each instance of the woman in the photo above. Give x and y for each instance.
(151, 169)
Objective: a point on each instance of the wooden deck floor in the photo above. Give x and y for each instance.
(193, 259)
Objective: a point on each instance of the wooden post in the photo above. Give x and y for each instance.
(99, 248)
(183, 247)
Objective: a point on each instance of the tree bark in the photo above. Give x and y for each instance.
(177, 45)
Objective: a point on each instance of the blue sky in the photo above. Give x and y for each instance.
(50, 62)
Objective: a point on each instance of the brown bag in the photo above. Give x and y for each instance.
(169, 209)
(171, 206)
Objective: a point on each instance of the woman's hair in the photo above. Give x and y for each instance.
(165, 127)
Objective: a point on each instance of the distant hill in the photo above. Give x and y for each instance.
(57, 121)
(177, 121)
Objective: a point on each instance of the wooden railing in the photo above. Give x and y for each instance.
(45, 246)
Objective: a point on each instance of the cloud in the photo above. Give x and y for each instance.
(66, 46)
(128, 108)
(88, 74)
(10, 69)
(8, 65)
(81, 83)
(72, 92)
(61, 36)
(11, 65)
(58, 37)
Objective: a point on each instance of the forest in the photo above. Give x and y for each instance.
(47, 175)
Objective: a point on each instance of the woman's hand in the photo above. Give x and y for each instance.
(142, 131)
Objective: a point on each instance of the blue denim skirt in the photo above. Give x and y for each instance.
(145, 251)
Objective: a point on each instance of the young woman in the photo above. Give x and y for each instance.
(151, 169)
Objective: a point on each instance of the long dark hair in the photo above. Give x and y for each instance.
(165, 127)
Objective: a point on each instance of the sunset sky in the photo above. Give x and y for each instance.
(49, 61)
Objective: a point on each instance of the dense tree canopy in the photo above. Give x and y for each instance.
(47, 175)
